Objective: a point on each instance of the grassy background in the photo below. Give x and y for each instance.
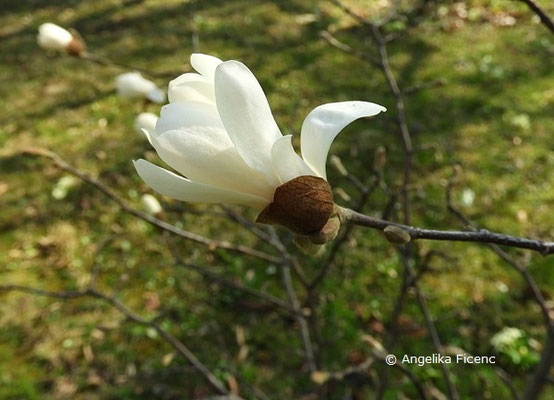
(492, 118)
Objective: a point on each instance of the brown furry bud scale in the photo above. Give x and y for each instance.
(76, 47)
(303, 205)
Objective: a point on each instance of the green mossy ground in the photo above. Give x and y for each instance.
(493, 118)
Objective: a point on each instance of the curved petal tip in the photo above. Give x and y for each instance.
(324, 123)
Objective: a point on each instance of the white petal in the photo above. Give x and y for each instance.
(193, 91)
(148, 135)
(286, 163)
(246, 115)
(195, 154)
(191, 87)
(178, 116)
(187, 77)
(205, 64)
(324, 123)
(177, 187)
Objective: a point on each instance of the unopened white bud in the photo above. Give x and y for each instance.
(146, 121)
(133, 85)
(150, 204)
(54, 37)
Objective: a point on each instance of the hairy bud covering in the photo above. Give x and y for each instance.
(75, 47)
(397, 235)
(303, 205)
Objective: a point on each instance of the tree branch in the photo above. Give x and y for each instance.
(362, 370)
(540, 376)
(305, 333)
(405, 252)
(333, 41)
(545, 18)
(343, 237)
(538, 379)
(96, 59)
(239, 286)
(479, 236)
(212, 244)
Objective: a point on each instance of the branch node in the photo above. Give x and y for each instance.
(396, 235)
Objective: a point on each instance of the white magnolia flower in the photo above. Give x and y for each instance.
(146, 121)
(133, 85)
(150, 204)
(219, 134)
(53, 37)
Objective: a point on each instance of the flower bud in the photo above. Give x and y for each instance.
(329, 231)
(146, 121)
(303, 205)
(150, 204)
(54, 37)
(397, 235)
(76, 47)
(133, 85)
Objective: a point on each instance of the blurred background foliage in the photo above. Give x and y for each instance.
(492, 118)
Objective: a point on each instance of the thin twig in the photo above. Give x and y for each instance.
(539, 378)
(401, 119)
(289, 258)
(239, 286)
(507, 380)
(252, 227)
(303, 324)
(95, 269)
(168, 337)
(311, 299)
(384, 65)
(424, 86)
(361, 19)
(195, 38)
(269, 236)
(362, 369)
(430, 326)
(411, 376)
(479, 236)
(342, 238)
(212, 244)
(406, 252)
(345, 374)
(544, 17)
(106, 61)
(333, 41)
